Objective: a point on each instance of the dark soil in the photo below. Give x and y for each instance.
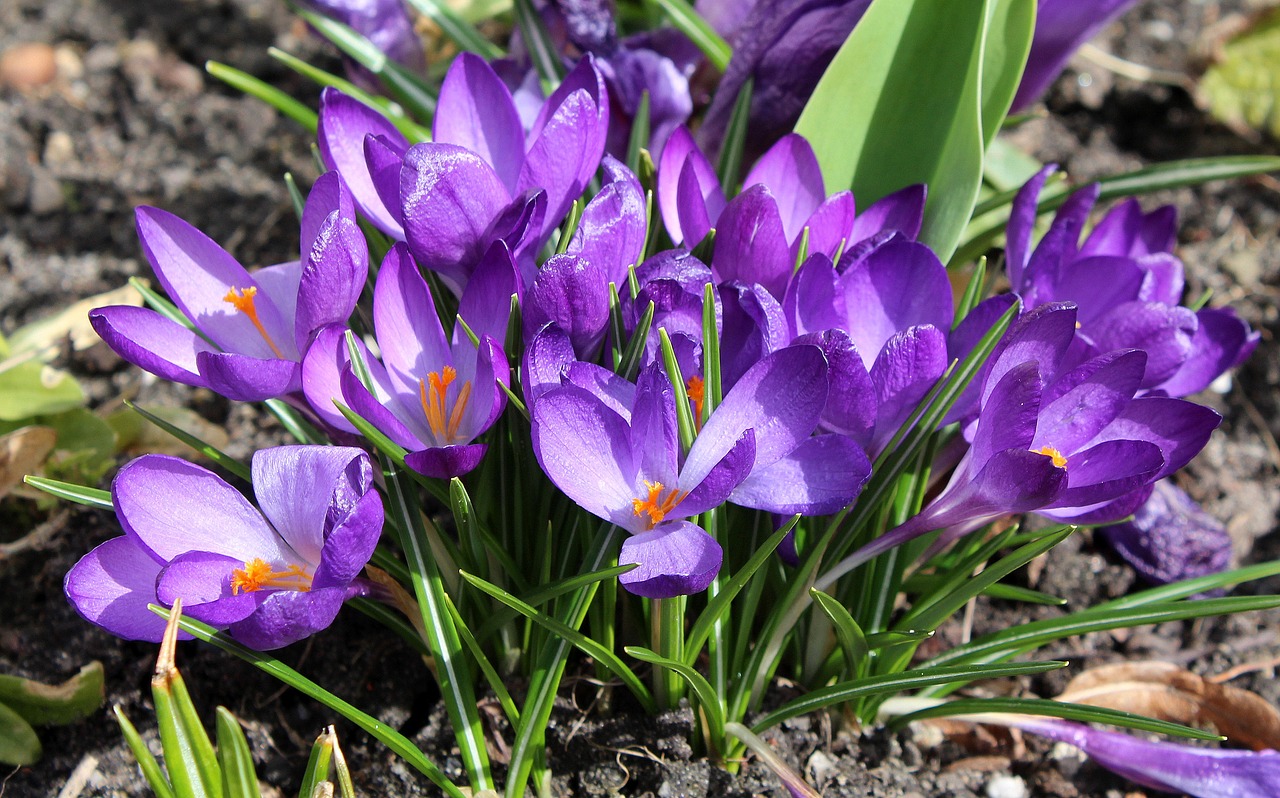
(131, 119)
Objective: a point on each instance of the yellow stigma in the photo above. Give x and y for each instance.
(257, 574)
(242, 299)
(1058, 458)
(443, 420)
(654, 505)
(697, 394)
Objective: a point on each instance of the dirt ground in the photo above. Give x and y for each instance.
(131, 118)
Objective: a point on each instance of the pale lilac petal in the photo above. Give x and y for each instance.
(1022, 223)
(851, 395)
(584, 78)
(713, 489)
(696, 198)
(287, 616)
(617, 393)
(546, 355)
(585, 449)
(322, 374)
(446, 462)
(555, 159)
(571, 292)
(350, 540)
(280, 284)
(679, 147)
(475, 111)
(203, 581)
(151, 342)
(405, 426)
(404, 318)
(612, 230)
(448, 198)
(112, 585)
(344, 125)
(780, 398)
(1040, 336)
(813, 302)
(328, 194)
(333, 275)
(197, 274)
(330, 477)
(790, 171)
(249, 379)
(675, 559)
(486, 304)
(654, 437)
(752, 325)
(818, 477)
(169, 507)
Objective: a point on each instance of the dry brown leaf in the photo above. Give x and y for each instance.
(1165, 691)
(147, 438)
(21, 453)
(45, 336)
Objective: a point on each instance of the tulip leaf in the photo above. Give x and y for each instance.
(914, 96)
(38, 703)
(18, 742)
(1242, 86)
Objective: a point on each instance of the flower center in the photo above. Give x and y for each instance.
(1058, 458)
(441, 418)
(242, 299)
(697, 394)
(257, 574)
(655, 505)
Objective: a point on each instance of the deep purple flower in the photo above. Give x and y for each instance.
(1061, 27)
(1170, 538)
(253, 329)
(269, 577)
(430, 395)
(387, 24)
(1167, 766)
(1128, 286)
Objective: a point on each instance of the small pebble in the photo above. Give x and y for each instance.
(59, 149)
(45, 194)
(27, 66)
(1006, 787)
(820, 765)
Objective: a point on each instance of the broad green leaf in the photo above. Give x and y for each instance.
(33, 389)
(77, 697)
(19, 744)
(1242, 87)
(902, 103)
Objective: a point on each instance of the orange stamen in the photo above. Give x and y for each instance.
(1058, 458)
(697, 394)
(443, 420)
(257, 574)
(654, 505)
(243, 301)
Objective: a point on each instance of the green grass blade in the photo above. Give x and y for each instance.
(708, 699)
(689, 22)
(248, 84)
(210, 451)
(89, 497)
(457, 29)
(853, 642)
(239, 780)
(146, 760)
(318, 764)
(1082, 713)
(729, 166)
(163, 306)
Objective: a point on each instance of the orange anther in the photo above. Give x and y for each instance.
(243, 301)
(1058, 458)
(654, 505)
(257, 574)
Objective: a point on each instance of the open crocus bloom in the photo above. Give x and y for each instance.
(269, 577)
(253, 329)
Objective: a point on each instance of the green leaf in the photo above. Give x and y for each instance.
(729, 166)
(89, 497)
(19, 744)
(318, 763)
(853, 642)
(219, 457)
(239, 779)
(1055, 709)
(1242, 86)
(461, 32)
(588, 646)
(710, 702)
(902, 103)
(689, 22)
(543, 50)
(151, 771)
(896, 683)
(40, 704)
(265, 92)
(34, 389)
(380, 731)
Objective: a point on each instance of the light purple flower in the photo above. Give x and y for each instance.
(1167, 766)
(367, 150)
(270, 576)
(430, 395)
(1061, 27)
(252, 330)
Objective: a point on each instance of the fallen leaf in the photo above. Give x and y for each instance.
(137, 436)
(22, 452)
(45, 336)
(1165, 691)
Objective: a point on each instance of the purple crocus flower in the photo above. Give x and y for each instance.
(1061, 27)
(367, 150)
(269, 577)
(387, 24)
(1128, 286)
(253, 329)
(431, 395)
(613, 449)
(1170, 538)
(1166, 766)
